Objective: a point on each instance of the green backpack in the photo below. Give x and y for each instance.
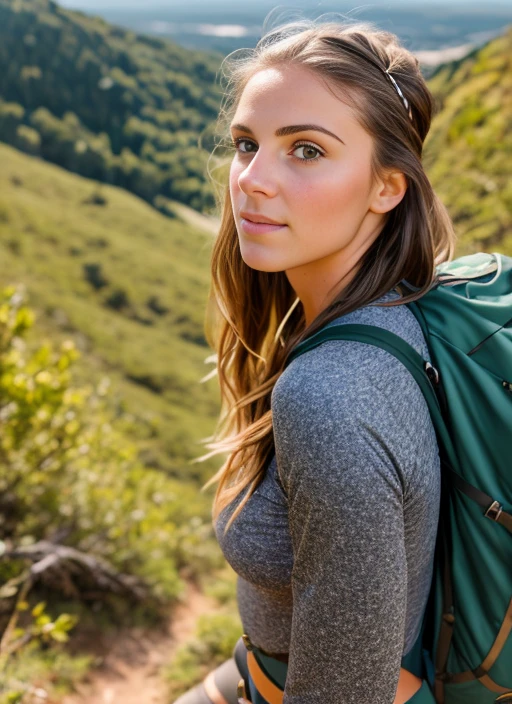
(465, 646)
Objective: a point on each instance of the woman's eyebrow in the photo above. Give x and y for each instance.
(291, 129)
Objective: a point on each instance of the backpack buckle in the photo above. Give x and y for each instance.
(494, 511)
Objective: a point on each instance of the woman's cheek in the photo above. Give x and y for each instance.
(315, 202)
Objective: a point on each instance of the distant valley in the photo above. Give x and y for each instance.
(436, 32)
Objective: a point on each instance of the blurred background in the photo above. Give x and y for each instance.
(112, 587)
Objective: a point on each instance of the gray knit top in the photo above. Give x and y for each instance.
(334, 550)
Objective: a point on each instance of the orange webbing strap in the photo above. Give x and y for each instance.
(212, 690)
(481, 673)
(263, 684)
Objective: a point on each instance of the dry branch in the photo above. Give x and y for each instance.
(48, 557)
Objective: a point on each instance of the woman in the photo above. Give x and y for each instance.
(327, 505)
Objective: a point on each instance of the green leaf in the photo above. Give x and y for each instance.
(59, 636)
(38, 609)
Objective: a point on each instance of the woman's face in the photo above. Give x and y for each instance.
(303, 161)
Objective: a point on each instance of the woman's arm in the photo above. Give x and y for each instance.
(347, 445)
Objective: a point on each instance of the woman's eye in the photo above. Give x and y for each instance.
(309, 152)
(237, 143)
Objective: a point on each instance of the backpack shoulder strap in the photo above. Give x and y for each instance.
(420, 369)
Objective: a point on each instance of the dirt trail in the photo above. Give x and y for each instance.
(129, 673)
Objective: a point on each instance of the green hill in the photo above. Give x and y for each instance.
(129, 284)
(469, 152)
(105, 102)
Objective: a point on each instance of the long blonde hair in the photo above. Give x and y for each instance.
(254, 317)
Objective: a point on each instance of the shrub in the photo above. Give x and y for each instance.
(94, 275)
(118, 299)
(28, 139)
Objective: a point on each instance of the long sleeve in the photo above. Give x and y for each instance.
(358, 461)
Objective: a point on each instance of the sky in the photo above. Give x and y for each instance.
(132, 4)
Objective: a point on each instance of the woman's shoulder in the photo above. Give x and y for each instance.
(398, 319)
(362, 371)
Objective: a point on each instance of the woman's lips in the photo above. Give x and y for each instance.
(259, 228)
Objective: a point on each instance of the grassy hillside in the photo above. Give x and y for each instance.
(469, 152)
(106, 102)
(129, 284)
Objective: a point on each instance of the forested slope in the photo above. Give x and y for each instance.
(106, 102)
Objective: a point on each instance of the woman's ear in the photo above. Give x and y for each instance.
(388, 192)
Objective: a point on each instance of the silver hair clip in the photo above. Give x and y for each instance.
(402, 96)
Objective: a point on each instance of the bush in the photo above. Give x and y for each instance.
(11, 117)
(153, 303)
(94, 275)
(96, 198)
(28, 140)
(71, 485)
(118, 299)
(34, 651)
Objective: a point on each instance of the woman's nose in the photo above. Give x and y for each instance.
(259, 176)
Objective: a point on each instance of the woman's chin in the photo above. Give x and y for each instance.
(261, 262)
(263, 266)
